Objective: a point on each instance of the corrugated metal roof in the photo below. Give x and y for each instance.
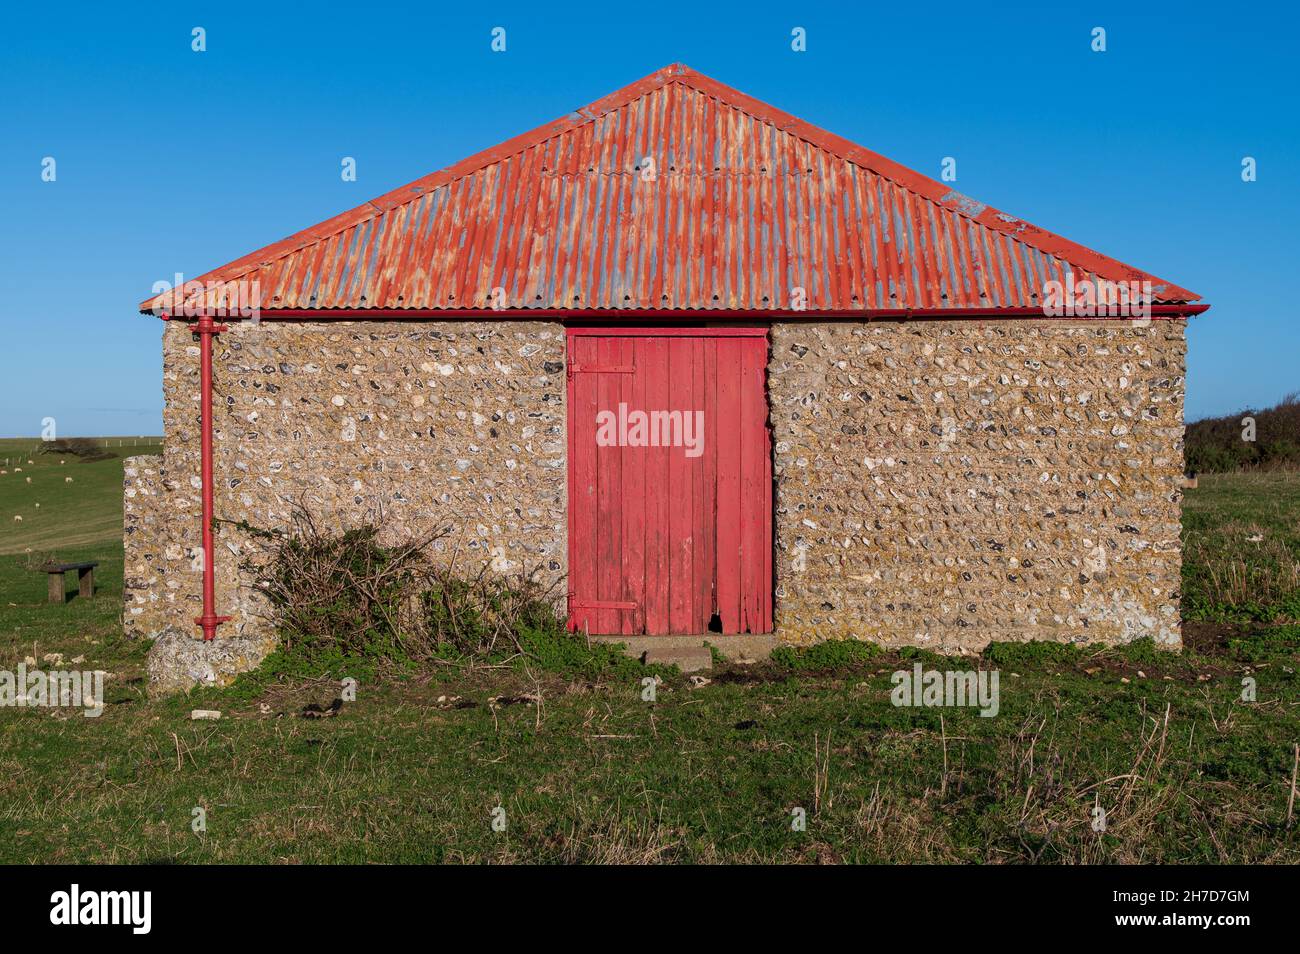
(746, 203)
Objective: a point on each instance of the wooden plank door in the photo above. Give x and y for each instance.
(670, 482)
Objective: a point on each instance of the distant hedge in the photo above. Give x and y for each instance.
(1215, 444)
(88, 449)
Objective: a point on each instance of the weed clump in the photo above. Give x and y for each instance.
(1031, 655)
(830, 655)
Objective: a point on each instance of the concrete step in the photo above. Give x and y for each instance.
(739, 647)
(685, 658)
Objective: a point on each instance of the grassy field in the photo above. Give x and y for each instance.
(1241, 538)
(584, 769)
(63, 502)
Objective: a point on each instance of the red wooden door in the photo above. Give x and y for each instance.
(670, 481)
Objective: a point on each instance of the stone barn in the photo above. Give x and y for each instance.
(721, 373)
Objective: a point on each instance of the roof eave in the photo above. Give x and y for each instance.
(1158, 310)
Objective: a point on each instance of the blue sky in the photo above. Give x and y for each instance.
(170, 160)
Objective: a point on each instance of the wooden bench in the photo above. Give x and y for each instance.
(85, 579)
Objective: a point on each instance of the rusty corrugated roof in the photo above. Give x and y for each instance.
(746, 204)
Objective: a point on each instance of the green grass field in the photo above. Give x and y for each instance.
(585, 770)
(80, 504)
(1241, 538)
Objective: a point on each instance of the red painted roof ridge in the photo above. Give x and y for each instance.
(929, 189)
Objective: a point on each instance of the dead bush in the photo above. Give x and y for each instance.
(345, 592)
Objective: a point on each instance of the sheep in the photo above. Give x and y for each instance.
(18, 518)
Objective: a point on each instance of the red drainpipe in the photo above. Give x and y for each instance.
(205, 328)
